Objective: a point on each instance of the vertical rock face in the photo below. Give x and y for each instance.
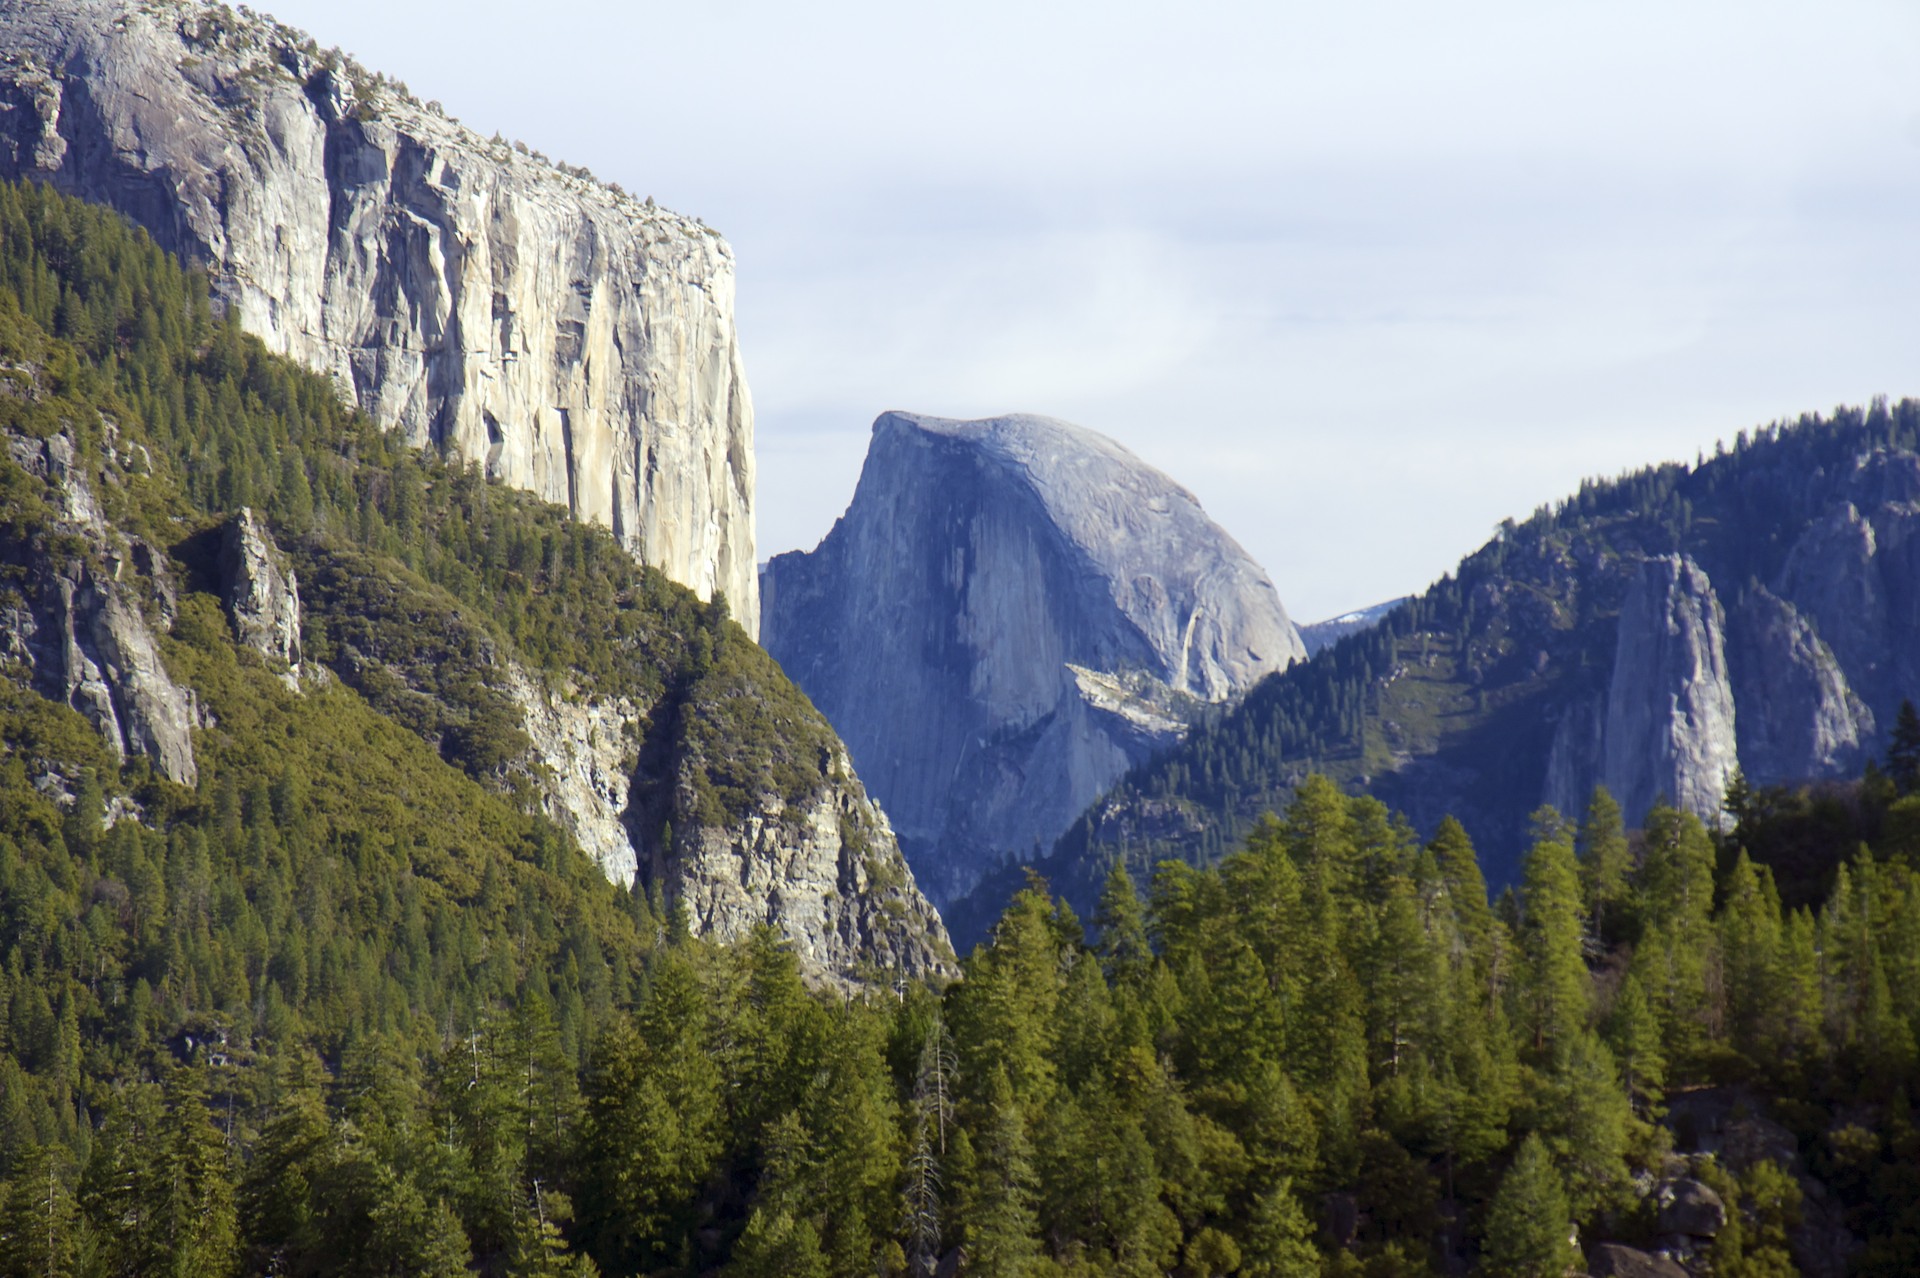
(1670, 718)
(1800, 717)
(571, 339)
(1855, 576)
(74, 620)
(262, 594)
(826, 873)
(1010, 614)
(630, 767)
(1833, 578)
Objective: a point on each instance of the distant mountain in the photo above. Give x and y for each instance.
(1758, 613)
(1012, 613)
(1324, 634)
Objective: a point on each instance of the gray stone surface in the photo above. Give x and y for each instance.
(1855, 576)
(1011, 613)
(261, 592)
(1670, 711)
(79, 628)
(1616, 1260)
(1799, 715)
(829, 877)
(575, 341)
(1691, 1209)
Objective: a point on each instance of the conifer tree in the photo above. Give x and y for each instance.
(1554, 990)
(1604, 862)
(1279, 1238)
(1466, 886)
(1529, 1226)
(1002, 1234)
(1633, 1034)
(1903, 750)
(41, 1229)
(1677, 941)
(188, 1188)
(1120, 921)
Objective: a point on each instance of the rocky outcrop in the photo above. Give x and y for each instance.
(580, 754)
(1616, 1260)
(1854, 574)
(1670, 710)
(1011, 613)
(1651, 634)
(826, 873)
(1662, 726)
(573, 340)
(74, 618)
(1799, 716)
(261, 593)
(1690, 1209)
(629, 767)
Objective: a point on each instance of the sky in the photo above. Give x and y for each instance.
(1366, 277)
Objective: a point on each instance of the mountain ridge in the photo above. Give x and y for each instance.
(1764, 644)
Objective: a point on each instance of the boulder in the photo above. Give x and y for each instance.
(1691, 1209)
(1614, 1260)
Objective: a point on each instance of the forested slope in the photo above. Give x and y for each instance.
(1792, 575)
(531, 651)
(341, 1004)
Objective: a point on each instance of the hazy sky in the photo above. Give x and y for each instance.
(1366, 277)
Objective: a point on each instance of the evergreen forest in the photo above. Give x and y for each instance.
(347, 1006)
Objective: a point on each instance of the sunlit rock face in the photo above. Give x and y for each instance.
(1670, 708)
(573, 340)
(1011, 614)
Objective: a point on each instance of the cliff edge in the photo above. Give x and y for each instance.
(517, 314)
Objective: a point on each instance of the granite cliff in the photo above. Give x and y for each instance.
(73, 620)
(1011, 614)
(575, 341)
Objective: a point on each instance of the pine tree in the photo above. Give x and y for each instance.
(1279, 1238)
(1604, 862)
(188, 1188)
(1003, 1231)
(1903, 750)
(1529, 1226)
(1554, 990)
(1466, 887)
(1120, 922)
(1677, 942)
(1633, 1034)
(40, 1223)
(775, 1245)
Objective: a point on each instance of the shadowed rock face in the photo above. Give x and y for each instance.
(573, 340)
(1011, 613)
(261, 593)
(75, 623)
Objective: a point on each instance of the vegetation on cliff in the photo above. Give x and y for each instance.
(1449, 703)
(341, 1008)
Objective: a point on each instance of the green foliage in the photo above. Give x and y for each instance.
(346, 1008)
(1529, 1227)
(1476, 671)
